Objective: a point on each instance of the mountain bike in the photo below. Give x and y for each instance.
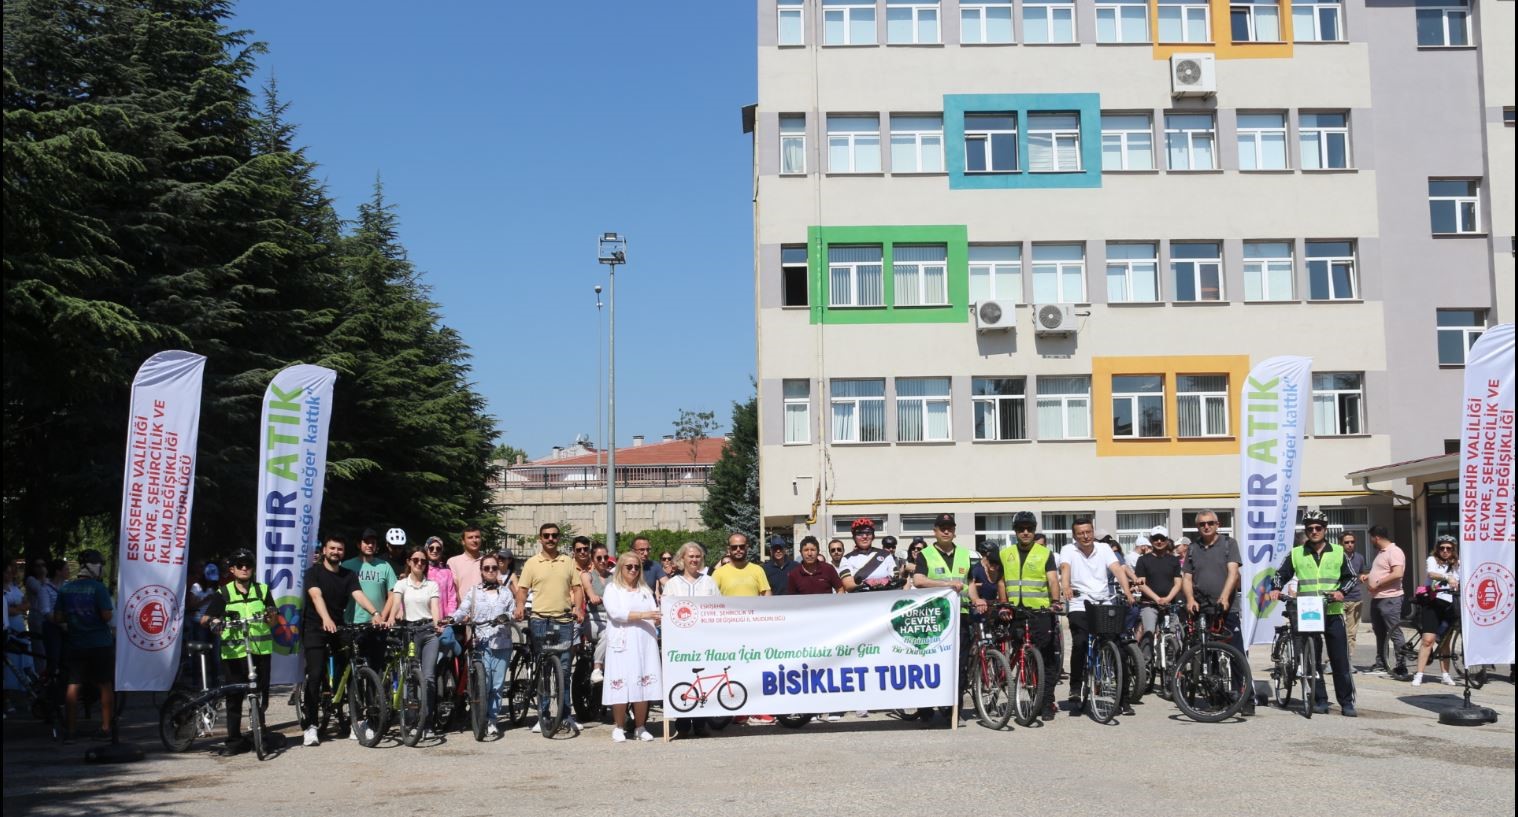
(1211, 680)
(349, 697)
(549, 672)
(1162, 648)
(404, 682)
(990, 674)
(450, 681)
(196, 654)
(1448, 647)
(42, 692)
(1102, 687)
(584, 695)
(182, 715)
(479, 688)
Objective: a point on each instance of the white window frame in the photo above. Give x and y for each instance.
(794, 9)
(1191, 135)
(1114, 11)
(854, 281)
(1135, 399)
(917, 524)
(1203, 399)
(796, 404)
(1013, 405)
(992, 270)
(981, 137)
(1050, 9)
(1318, 137)
(1340, 398)
(1332, 263)
(996, 528)
(1263, 267)
(1253, 23)
(1458, 202)
(1066, 403)
(1197, 269)
(855, 140)
(917, 11)
(1257, 136)
(923, 145)
(1055, 139)
(1467, 334)
(1317, 8)
(1059, 268)
(1188, 10)
(1132, 268)
(916, 275)
(843, 526)
(1124, 140)
(1133, 528)
(981, 11)
(925, 403)
(792, 137)
(1447, 11)
(835, 402)
(846, 16)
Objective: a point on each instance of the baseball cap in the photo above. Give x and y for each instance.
(1159, 530)
(1102, 534)
(369, 533)
(1184, 540)
(944, 520)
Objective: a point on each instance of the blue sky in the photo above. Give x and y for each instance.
(509, 135)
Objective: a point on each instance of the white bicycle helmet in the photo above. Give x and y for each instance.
(396, 537)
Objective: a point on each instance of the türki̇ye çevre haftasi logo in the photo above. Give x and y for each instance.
(921, 622)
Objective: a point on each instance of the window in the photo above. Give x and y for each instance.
(1262, 141)
(853, 144)
(1122, 21)
(922, 409)
(1138, 405)
(1508, 116)
(843, 526)
(996, 272)
(1255, 21)
(798, 411)
(986, 22)
(1317, 21)
(1458, 331)
(1064, 408)
(1001, 408)
(1054, 143)
(1049, 21)
(1059, 273)
(854, 276)
(1331, 271)
(1443, 22)
(1453, 207)
(911, 22)
(848, 22)
(1189, 140)
(1184, 21)
(990, 143)
(916, 144)
(994, 527)
(791, 28)
(792, 144)
(1127, 141)
(920, 275)
(1325, 141)
(1133, 527)
(1201, 405)
(1337, 403)
(1197, 270)
(1057, 526)
(858, 411)
(918, 524)
(1267, 271)
(793, 276)
(1189, 528)
(1132, 273)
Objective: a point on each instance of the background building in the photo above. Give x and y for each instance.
(1156, 195)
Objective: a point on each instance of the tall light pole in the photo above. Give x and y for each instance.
(611, 250)
(600, 429)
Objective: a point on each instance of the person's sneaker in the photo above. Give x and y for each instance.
(235, 746)
(1399, 674)
(761, 720)
(618, 736)
(741, 720)
(312, 738)
(492, 732)
(1050, 711)
(1446, 680)
(1247, 710)
(645, 735)
(1126, 710)
(1320, 709)
(1349, 711)
(572, 725)
(596, 676)
(1378, 668)
(537, 727)
(353, 730)
(1418, 679)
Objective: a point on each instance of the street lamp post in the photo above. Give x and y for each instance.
(611, 250)
(600, 428)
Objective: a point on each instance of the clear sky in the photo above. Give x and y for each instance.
(510, 135)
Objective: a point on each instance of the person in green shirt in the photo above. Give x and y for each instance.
(375, 578)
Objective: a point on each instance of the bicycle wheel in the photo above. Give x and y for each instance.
(1029, 693)
(584, 694)
(413, 710)
(446, 684)
(1453, 648)
(550, 689)
(518, 688)
(732, 695)
(256, 725)
(719, 722)
(1283, 673)
(990, 686)
(1170, 652)
(793, 721)
(1135, 673)
(370, 706)
(1105, 680)
(177, 722)
(1212, 682)
(682, 697)
(479, 699)
(1309, 651)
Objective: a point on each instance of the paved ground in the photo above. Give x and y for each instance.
(1394, 755)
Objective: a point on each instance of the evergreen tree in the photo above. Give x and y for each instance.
(732, 498)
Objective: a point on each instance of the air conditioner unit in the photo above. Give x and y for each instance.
(1054, 319)
(1193, 75)
(995, 316)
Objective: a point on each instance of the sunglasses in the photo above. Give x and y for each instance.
(631, 567)
(1315, 527)
(1207, 524)
(582, 550)
(417, 561)
(1445, 547)
(241, 567)
(600, 558)
(835, 550)
(491, 569)
(434, 548)
(666, 558)
(548, 536)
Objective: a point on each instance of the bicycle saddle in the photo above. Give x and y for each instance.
(199, 647)
(699, 669)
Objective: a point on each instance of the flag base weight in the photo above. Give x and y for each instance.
(114, 753)
(1468, 715)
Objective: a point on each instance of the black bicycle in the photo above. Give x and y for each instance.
(1447, 647)
(183, 716)
(1102, 691)
(1162, 648)
(548, 673)
(1211, 681)
(479, 688)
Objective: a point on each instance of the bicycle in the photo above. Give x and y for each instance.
(687, 695)
(1211, 680)
(182, 716)
(1162, 648)
(479, 688)
(1102, 688)
(1447, 647)
(1024, 663)
(43, 692)
(584, 695)
(451, 684)
(346, 697)
(405, 682)
(548, 673)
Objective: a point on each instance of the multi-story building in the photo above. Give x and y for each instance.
(1021, 255)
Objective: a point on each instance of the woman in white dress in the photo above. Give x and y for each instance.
(632, 648)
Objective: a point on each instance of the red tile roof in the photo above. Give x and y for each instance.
(676, 452)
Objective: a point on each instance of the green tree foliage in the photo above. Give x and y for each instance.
(152, 203)
(732, 500)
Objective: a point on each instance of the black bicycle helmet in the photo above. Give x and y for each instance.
(987, 548)
(1315, 516)
(1445, 539)
(1024, 518)
(888, 543)
(241, 556)
(91, 557)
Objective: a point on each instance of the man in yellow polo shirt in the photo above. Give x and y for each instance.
(742, 578)
(554, 581)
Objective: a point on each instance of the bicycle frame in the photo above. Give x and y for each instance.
(701, 689)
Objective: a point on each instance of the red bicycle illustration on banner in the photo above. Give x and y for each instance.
(731, 695)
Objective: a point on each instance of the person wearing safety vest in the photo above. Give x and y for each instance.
(251, 602)
(1320, 569)
(1030, 578)
(945, 564)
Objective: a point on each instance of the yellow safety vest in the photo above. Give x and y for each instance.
(1028, 582)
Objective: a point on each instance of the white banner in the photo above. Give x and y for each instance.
(1275, 406)
(777, 655)
(1486, 499)
(292, 467)
(157, 493)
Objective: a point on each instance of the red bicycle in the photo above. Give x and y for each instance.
(1027, 662)
(731, 695)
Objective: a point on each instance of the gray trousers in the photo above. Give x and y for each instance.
(1386, 620)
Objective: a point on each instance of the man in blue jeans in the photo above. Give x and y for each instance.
(557, 604)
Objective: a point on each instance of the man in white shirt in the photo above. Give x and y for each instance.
(1083, 572)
